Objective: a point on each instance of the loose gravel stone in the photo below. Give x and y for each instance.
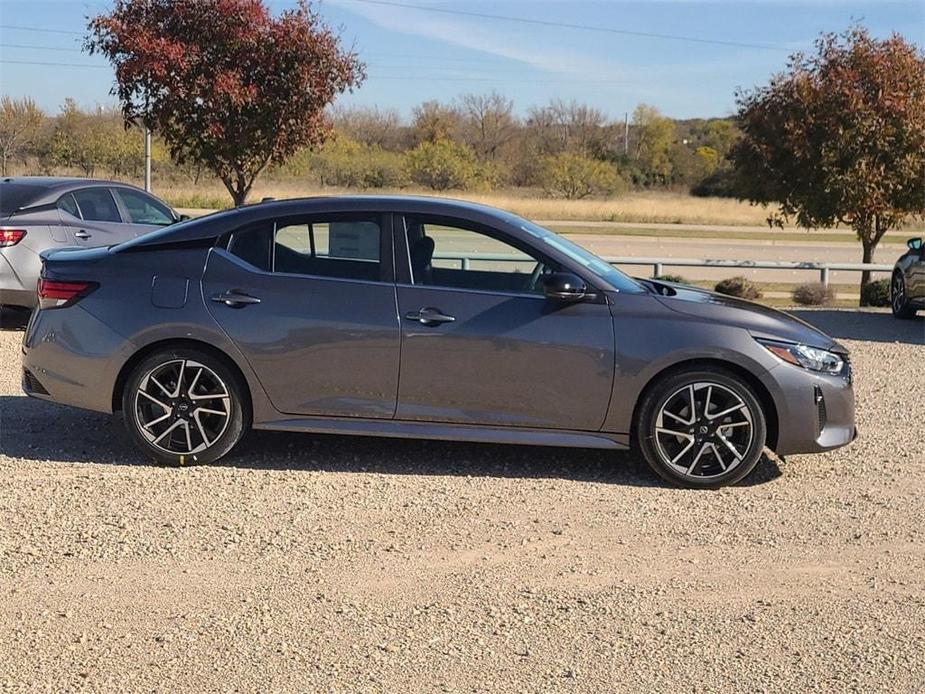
(325, 563)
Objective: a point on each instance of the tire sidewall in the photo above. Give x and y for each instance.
(656, 397)
(903, 311)
(237, 421)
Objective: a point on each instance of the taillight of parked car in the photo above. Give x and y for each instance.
(58, 294)
(10, 237)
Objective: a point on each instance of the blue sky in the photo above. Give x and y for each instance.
(414, 55)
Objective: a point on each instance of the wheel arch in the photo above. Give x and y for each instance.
(145, 351)
(764, 396)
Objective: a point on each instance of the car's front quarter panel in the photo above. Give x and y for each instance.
(651, 339)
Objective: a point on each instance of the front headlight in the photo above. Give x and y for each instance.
(811, 358)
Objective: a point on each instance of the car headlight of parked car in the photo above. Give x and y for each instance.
(812, 358)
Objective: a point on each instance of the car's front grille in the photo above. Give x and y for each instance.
(31, 384)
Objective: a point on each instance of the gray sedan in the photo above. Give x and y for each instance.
(39, 213)
(420, 317)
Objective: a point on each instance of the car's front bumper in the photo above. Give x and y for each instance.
(815, 412)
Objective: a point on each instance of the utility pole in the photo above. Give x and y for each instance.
(626, 134)
(147, 159)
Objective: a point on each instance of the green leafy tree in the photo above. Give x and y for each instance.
(655, 137)
(223, 82)
(21, 123)
(838, 138)
(574, 176)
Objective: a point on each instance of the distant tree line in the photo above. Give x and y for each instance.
(476, 142)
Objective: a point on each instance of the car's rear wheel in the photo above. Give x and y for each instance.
(184, 406)
(701, 428)
(899, 302)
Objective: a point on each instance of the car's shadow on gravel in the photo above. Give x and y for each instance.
(868, 326)
(34, 430)
(13, 318)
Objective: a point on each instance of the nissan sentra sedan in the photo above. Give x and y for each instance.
(429, 318)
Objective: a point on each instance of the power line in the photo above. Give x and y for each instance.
(40, 48)
(41, 30)
(36, 62)
(566, 25)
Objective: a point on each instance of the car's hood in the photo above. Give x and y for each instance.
(761, 321)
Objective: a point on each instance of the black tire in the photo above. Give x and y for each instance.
(715, 466)
(899, 302)
(209, 414)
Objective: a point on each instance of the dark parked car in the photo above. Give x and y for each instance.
(38, 213)
(907, 288)
(420, 317)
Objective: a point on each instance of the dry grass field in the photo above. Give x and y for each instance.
(644, 207)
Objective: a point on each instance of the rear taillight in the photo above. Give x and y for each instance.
(56, 294)
(10, 237)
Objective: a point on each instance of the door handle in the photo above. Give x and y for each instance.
(82, 234)
(235, 299)
(429, 316)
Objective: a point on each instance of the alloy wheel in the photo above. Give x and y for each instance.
(182, 407)
(704, 430)
(899, 293)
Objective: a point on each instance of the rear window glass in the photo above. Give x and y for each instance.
(14, 196)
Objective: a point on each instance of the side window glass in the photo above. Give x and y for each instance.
(253, 245)
(342, 248)
(97, 204)
(143, 209)
(444, 254)
(67, 203)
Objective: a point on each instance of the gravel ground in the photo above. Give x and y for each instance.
(366, 565)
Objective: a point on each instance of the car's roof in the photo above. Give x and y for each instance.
(213, 225)
(59, 181)
(37, 191)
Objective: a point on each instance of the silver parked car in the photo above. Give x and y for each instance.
(39, 213)
(421, 317)
(907, 288)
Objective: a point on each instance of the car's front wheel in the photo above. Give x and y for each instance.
(899, 303)
(701, 428)
(184, 406)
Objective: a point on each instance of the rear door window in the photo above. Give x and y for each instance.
(97, 205)
(69, 205)
(345, 247)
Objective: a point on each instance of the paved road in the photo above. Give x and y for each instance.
(637, 246)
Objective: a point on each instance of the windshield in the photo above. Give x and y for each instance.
(14, 196)
(587, 259)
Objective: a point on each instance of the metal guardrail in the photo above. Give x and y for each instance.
(658, 264)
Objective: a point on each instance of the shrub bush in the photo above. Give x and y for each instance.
(350, 164)
(573, 176)
(445, 164)
(738, 286)
(876, 293)
(677, 279)
(813, 294)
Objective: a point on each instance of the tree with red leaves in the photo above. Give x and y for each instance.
(223, 82)
(839, 138)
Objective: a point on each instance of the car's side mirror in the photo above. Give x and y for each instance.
(564, 286)
(183, 218)
(915, 244)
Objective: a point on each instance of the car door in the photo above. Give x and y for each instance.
(480, 342)
(98, 220)
(310, 301)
